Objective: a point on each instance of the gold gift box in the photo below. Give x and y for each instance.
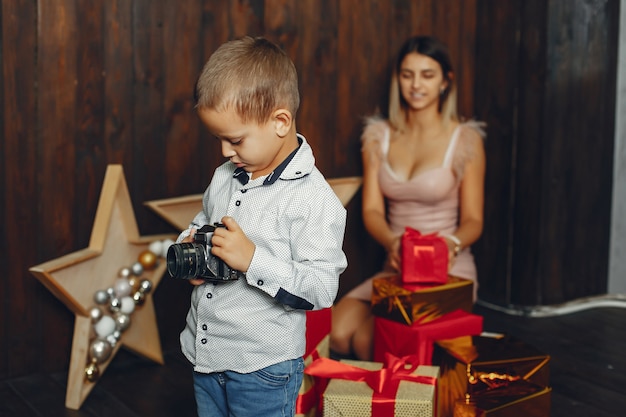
(351, 398)
(520, 399)
(492, 367)
(392, 301)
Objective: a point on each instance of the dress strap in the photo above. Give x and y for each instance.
(447, 160)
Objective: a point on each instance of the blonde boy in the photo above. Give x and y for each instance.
(284, 230)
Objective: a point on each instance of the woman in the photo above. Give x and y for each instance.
(423, 168)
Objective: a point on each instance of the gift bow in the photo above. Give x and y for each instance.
(384, 382)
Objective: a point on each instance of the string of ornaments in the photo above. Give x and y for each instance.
(111, 316)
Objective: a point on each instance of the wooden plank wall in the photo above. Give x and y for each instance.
(545, 82)
(90, 83)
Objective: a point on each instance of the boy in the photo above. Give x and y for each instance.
(284, 229)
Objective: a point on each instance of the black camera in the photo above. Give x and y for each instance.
(194, 259)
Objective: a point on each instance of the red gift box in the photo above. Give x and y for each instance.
(318, 324)
(424, 258)
(418, 339)
(317, 327)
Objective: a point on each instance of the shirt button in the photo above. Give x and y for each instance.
(238, 203)
(203, 341)
(259, 282)
(204, 327)
(209, 295)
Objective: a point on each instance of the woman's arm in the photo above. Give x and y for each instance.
(472, 195)
(374, 214)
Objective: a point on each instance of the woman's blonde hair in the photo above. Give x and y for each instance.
(433, 48)
(251, 75)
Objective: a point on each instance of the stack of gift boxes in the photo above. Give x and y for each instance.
(431, 356)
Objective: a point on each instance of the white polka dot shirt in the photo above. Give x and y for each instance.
(297, 224)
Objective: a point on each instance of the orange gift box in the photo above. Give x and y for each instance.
(399, 339)
(419, 304)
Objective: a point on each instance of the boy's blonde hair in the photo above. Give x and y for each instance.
(253, 76)
(435, 49)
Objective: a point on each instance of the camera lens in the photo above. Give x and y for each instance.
(186, 260)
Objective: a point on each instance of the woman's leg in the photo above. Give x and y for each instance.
(363, 339)
(347, 316)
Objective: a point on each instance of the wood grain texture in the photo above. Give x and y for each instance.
(90, 83)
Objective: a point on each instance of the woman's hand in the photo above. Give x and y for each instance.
(393, 253)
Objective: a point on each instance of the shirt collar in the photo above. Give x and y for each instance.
(244, 177)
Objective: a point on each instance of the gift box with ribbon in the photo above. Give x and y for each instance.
(424, 258)
(519, 399)
(318, 324)
(419, 304)
(418, 339)
(308, 403)
(495, 373)
(399, 387)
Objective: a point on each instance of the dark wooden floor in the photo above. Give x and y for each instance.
(588, 372)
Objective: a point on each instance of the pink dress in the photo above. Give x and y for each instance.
(428, 202)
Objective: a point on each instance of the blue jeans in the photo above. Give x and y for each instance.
(268, 392)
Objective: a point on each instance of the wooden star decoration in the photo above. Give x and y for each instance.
(75, 278)
(179, 211)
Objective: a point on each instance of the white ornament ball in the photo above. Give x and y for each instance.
(166, 245)
(100, 350)
(137, 268)
(156, 247)
(105, 326)
(128, 305)
(122, 287)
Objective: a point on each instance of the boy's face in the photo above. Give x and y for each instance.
(258, 148)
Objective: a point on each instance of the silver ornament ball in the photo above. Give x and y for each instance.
(122, 321)
(112, 340)
(124, 272)
(137, 268)
(115, 305)
(100, 350)
(139, 298)
(101, 297)
(96, 314)
(145, 286)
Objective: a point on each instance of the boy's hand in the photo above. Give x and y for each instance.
(232, 246)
